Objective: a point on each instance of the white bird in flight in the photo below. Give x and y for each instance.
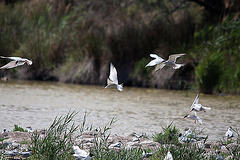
(198, 107)
(229, 132)
(156, 61)
(81, 154)
(171, 62)
(192, 115)
(113, 79)
(169, 156)
(16, 61)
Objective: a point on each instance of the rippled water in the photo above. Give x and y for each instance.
(140, 110)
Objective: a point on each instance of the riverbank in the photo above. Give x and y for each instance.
(74, 42)
(99, 141)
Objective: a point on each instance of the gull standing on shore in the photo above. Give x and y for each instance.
(113, 79)
(16, 61)
(198, 107)
(171, 62)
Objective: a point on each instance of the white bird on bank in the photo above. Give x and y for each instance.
(171, 62)
(229, 132)
(117, 145)
(192, 115)
(198, 107)
(113, 79)
(169, 156)
(5, 132)
(16, 61)
(156, 61)
(81, 154)
(29, 129)
(11, 153)
(25, 154)
(145, 154)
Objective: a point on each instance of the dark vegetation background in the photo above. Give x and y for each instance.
(74, 41)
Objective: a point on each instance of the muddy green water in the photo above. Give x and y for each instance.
(140, 110)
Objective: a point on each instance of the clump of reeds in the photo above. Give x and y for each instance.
(58, 140)
(168, 136)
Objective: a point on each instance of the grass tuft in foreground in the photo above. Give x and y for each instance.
(58, 140)
(168, 136)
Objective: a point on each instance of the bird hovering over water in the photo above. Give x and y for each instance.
(198, 107)
(192, 115)
(171, 62)
(16, 61)
(113, 79)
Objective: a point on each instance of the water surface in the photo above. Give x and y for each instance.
(140, 110)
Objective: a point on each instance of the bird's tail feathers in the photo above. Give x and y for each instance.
(178, 66)
(120, 87)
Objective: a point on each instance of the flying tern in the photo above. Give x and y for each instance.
(171, 62)
(198, 107)
(156, 61)
(192, 115)
(113, 79)
(16, 61)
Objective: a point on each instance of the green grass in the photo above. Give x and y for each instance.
(168, 136)
(58, 140)
(18, 128)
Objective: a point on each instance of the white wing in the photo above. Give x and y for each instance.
(156, 61)
(113, 74)
(173, 57)
(156, 56)
(12, 64)
(15, 58)
(195, 102)
(199, 120)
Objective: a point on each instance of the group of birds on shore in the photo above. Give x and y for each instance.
(112, 80)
